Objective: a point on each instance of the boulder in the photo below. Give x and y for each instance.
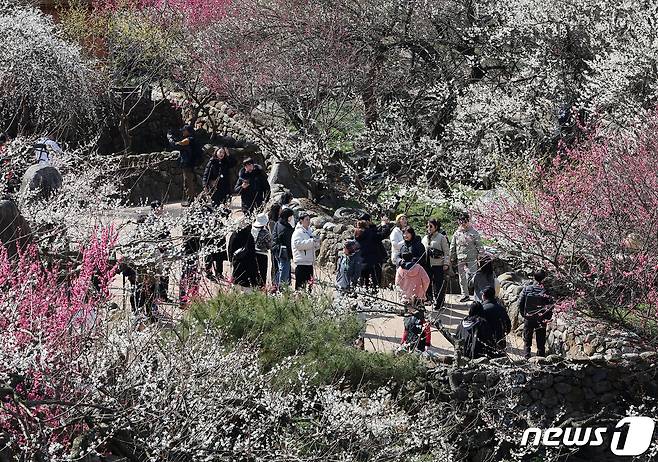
(44, 179)
(15, 232)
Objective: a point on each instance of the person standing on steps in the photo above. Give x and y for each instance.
(465, 247)
(304, 246)
(438, 259)
(349, 267)
(282, 246)
(190, 157)
(484, 277)
(536, 307)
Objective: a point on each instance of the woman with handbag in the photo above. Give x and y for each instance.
(438, 260)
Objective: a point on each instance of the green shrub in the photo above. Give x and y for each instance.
(302, 325)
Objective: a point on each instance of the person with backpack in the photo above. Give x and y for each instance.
(536, 307)
(252, 185)
(304, 246)
(190, 156)
(417, 334)
(349, 267)
(476, 334)
(263, 239)
(465, 247)
(46, 150)
(497, 317)
(282, 246)
(216, 176)
(438, 259)
(242, 255)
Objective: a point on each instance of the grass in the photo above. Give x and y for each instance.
(302, 326)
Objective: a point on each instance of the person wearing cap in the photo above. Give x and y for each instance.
(263, 239)
(190, 156)
(216, 175)
(304, 246)
(465, 247)
(252, 185)
(348, 268)
(397, 238)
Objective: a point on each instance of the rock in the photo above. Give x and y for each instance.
(563, 388)
(319, 221)
(44, 179)
(506, 277)
(648, 355)
(328, 226)
(339, 228)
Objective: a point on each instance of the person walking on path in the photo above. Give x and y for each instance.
(497, 317)
(282, 247)
(535, 305)
(216, 176)
(252, 185)
(397, 237)
(465, 247)
(438, 259)
(263, 239)
(304, 246)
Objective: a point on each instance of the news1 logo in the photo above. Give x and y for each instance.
(638, 432)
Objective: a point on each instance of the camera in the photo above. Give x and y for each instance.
(435, 253)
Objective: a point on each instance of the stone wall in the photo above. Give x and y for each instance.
(497, 400)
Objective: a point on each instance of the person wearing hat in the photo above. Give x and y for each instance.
(190, 156)
(349, 267)
(216, 175)
(397, 237)
(465, 247)
(263, 239)
(252, 185)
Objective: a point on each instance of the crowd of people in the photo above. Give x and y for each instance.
(284, 242)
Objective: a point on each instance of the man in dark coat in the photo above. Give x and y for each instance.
(217, 174)
(497, 317)
(252, 185)
(242, 255)
(535, 305)
(190, 156)
(476, 333)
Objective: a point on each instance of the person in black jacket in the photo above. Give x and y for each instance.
(216, 176)
(413, 245)
(242, 255)
(252, 185)
(535, 305)
(190, 156)
(497, 317)
(371, 271)
(282, 246)
(476, 333)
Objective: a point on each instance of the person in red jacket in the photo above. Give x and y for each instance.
(417, 335)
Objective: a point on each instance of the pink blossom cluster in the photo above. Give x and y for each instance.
(590, 216)
(195, 13)
(48, 314)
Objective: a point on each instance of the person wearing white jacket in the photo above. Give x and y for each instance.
(397, 237)
(304, 245)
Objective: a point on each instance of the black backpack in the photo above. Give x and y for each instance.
(470, 334)
(415, 332)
